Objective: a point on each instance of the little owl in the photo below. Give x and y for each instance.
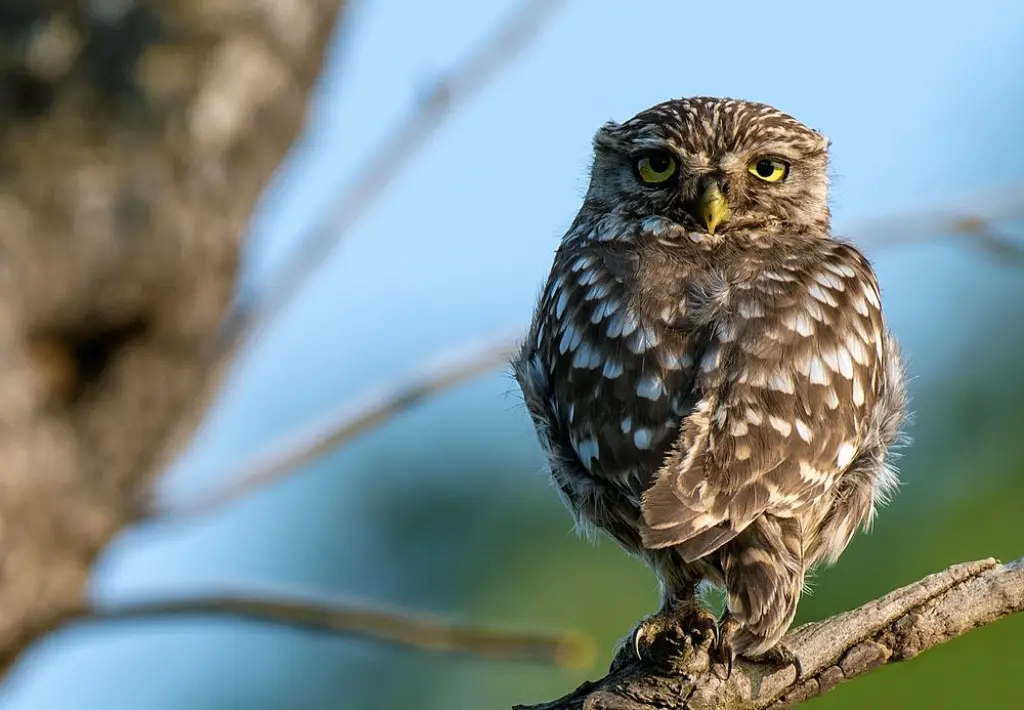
(708, 369)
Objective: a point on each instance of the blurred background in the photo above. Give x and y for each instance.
(446, 508)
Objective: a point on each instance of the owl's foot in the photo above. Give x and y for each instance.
(783, 656)
(723, 653)
(663, 636)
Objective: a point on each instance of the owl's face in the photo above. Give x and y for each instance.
(713, 166)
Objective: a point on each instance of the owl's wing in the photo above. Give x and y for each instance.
(785, 386)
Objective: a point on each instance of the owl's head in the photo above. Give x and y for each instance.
(714, 166)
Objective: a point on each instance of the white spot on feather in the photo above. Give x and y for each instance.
(800, 322)
(855, 345)
(872, 295)
(846, 454)
(845, 362)
(825, 297)
(604, 309)
(804, 431)
(650, 386)
(586, 449)
(858, 392)
(817, 372)
(829, 281)
(622, 323)
(811, 474)
(831, 399)
(571, 339)
(563, 301)
(839, 360)
(597, 292)
(780, 425)
(586, 357)
(582, 262)
(675, 361)
(612, 368)
(815, 311)
(781, 276)
(841, 270)
(643, 340)
(781, 381)
(642, 438)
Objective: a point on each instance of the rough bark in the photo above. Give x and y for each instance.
(135, 140)
(893, 628)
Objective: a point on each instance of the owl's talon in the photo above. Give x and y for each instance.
(671, 630)
(783, 656)
(627, 650)
(721, 651)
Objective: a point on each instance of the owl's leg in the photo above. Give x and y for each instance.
(681, 622)
(666, 634)
(764, 576)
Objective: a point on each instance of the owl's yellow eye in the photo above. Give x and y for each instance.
(769, 169)
(656, 167)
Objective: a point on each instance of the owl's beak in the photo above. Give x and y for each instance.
(713, 207)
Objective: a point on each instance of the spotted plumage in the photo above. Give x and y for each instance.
(708, 369)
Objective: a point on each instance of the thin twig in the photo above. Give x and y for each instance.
(1000, 247)
(973, 222)
(346, 423)
(894, 628)
(408, 137)
(395, 627)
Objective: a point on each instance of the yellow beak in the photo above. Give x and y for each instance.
(713, 207)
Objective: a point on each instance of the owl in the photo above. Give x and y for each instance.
(708, 369)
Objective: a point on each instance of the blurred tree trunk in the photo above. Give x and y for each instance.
(135, 139)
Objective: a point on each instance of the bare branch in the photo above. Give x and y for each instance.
(894, 628)
(348, 619)
(992, 241)
(412, 134)
(345, 424)
(972, 222)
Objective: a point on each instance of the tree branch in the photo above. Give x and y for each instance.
(974, 224)
(353, 620)
(348, 422)
(408, 137)
(893, 628)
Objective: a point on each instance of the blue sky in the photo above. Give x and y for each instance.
(920, 100)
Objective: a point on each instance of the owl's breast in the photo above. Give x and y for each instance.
(620, 379)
